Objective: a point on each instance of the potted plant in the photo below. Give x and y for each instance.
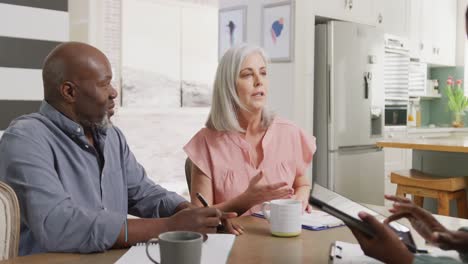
(457, 101)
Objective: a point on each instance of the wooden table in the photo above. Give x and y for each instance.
(255, 246)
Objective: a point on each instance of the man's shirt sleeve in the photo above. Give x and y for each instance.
(145, 198)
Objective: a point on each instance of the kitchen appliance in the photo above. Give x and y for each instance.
(348, 106)
(396, 115)
(397, 72)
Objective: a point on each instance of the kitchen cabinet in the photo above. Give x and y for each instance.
(393, 16)
(395, 159)
(359, 11)
(432, 31)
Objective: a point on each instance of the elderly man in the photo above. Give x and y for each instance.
(73, 172)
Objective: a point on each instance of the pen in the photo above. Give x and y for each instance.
(220, 227)
(202, 199)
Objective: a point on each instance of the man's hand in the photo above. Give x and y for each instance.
(385, 245)
(451, 240)
(258, 193)
(421, 220)
(203, 220)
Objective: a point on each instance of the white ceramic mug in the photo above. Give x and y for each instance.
(284, 217)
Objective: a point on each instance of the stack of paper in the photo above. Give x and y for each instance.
(342, 252)
(215, 250)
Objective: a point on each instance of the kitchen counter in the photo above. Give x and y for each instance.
(426, 129)
(452, 143)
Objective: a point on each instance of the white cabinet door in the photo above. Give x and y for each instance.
(359, 11)
(394, 17)
(426, 29)
(414, 34)
(363, 11)
(444, 32)
(331, 8)
(432, 31)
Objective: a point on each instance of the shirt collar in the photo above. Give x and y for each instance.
(69, 126)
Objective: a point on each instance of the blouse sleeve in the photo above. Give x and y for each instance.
(305, 152)
(198, 152)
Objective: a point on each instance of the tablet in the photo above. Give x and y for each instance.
(324, 203)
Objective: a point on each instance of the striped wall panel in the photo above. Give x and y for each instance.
(59, 5)
(40, 23)
(25, 84)
(30, 30)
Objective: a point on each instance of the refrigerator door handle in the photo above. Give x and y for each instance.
(358, 148)
(328, 91)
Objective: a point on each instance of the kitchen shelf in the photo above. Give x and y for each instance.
(425, 97)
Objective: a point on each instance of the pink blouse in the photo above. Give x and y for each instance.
(224, 158)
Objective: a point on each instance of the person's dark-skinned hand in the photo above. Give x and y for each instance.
(202, 219)
(421, 220)
(426, 225)
(385, 245)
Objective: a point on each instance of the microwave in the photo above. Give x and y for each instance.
(396, 115)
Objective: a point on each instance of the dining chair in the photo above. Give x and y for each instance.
(9, 222)
(188, 172)
(421, 185)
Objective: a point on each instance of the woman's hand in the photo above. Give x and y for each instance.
(230, 226)
(258, 193)
(421, 220)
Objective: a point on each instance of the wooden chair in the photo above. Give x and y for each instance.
(188, 172)
(421, 185)
(9, 222)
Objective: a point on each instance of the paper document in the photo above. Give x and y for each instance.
(317, 220)
(343, 252)
(215, 250)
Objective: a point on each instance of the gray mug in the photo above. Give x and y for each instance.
(178, 247)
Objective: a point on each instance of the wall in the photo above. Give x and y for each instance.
(435, 111)
(30, 29)
(461, 33)
(291, 83)
(98, 23)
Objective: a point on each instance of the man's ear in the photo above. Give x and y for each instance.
(68, 91)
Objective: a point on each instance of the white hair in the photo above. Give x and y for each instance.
(226, 104)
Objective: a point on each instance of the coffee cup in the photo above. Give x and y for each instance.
(181, 247)
(284, 217)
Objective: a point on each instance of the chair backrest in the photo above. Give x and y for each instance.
(9, 222)
(188, 172)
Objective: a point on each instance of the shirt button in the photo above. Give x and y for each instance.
(78, 130)
(86, 146)
(105, 209)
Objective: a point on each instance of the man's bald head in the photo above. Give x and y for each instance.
(70, 61)
(77, 82)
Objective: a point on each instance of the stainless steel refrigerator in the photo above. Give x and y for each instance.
(348, 110)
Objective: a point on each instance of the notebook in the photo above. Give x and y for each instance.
(317, 220)
(215, 249)
(343, 252)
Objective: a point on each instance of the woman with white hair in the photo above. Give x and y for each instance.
(245, 155)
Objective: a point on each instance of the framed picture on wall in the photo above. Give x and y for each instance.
(232, 27)
(277, 31)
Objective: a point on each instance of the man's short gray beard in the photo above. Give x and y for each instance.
(104, 124)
